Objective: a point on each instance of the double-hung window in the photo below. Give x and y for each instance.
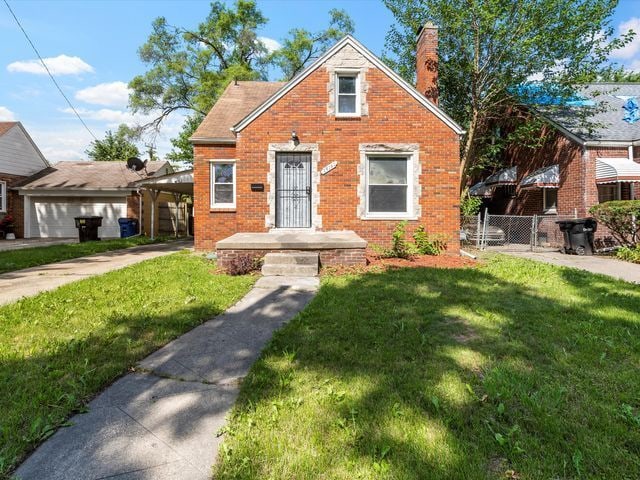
(347, 94)
(550, 200)
(223, 184)
(608, 192)
(3, 196)
(388, 186)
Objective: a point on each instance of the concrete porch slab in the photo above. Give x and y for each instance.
(290, 240)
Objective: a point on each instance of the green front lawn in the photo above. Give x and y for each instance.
(11, 260)
(60, 348)
(514, 369)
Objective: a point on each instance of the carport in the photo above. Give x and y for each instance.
(177, 184)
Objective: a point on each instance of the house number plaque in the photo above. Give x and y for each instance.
(328, 168)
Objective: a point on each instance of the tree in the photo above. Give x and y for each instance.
(189, 69)
(304, 47)
(620, 76)
(115, 147)
(492, 53)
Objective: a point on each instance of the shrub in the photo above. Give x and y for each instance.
(243, 264)
(470, 205)
(428, 244)
(400, 248)
(620, 218)
(629, 254)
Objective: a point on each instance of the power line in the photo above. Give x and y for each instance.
(49, 72)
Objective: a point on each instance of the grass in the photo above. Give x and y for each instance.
(60, 348)
(515, 369)
(11, 260)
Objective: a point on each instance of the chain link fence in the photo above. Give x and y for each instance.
(512, 232)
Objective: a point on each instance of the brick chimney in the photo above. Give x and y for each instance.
(427, 62)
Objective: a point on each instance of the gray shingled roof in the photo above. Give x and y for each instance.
(602, 122)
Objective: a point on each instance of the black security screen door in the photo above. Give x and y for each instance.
(293, 190)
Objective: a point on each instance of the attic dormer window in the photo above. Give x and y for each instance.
(347, 94)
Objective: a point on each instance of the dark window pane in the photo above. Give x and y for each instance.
(347, 104)
(347, 85)
(551, 198)
(388, 171)
(223, 194)
(223, 173)
(388, 198)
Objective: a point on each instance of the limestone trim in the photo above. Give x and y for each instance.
(348, 61)
(273, 149)
(412, 152)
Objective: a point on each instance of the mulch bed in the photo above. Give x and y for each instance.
(376, 263)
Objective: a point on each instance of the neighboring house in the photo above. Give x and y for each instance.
(19, 159)
(345, 145)
(581, 162)
(54, 196)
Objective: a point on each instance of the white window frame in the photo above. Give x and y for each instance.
(348, 73)
(545, 208)
(212, 204)
(409, 213)
(3, 197)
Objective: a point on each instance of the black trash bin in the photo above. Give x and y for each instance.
(578, 235)
(88, 228)
(128, 227)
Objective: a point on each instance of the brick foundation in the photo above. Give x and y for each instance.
(335, 256)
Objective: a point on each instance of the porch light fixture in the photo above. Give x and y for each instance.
(294, 137)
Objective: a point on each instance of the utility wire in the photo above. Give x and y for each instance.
(48, 71)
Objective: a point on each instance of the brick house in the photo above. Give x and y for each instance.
(579, 164)
(346, 146)
(19, 158)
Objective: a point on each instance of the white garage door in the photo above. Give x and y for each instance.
(54, 216)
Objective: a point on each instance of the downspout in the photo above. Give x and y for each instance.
(140, 214)
(632, 193)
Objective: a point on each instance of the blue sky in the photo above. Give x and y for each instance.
(92, 49)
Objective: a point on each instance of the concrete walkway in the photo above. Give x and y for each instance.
(31, 281)
(160, 423)
(595, 264)
(21, 243)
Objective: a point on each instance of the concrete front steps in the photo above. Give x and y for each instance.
(291, 264)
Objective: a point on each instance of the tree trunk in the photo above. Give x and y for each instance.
(468, 149)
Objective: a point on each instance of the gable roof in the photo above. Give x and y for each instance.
(236, 102)
(89, 176)
(6, 126)
(349, 40)
(603, 122)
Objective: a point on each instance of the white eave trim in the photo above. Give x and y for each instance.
(211, 141)
(76, 192)
(349, 40)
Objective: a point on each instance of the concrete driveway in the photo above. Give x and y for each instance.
(629, 272)
(20, 243)
(32, 281)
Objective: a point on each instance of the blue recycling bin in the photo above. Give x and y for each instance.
(128, 227)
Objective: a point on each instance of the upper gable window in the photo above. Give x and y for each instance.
(348, 94)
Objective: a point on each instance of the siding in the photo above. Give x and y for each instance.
(18, 156)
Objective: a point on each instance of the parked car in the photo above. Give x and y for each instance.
(494, 235)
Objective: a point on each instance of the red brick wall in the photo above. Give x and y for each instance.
(394, 117)
(15, 204)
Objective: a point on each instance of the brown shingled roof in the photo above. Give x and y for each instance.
(6, 126)
(88, 176)
(236, 102)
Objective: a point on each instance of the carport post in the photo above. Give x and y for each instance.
(154, 196)
(176, 197)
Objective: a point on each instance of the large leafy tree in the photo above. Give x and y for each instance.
(115, 147)
(493, 53)
(189, 69)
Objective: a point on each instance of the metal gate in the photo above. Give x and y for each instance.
(293, 190)
(512, 232)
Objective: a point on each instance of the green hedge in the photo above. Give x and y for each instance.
(622, 218)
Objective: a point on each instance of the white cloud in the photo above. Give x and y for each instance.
(62, 143)
(631, 49)
(114, 94)
(634, 66)
(60, 65)
(111, 117)
(6, 115)
(270, 44)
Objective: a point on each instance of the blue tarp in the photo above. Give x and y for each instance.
(538, 94)
(633, 110)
